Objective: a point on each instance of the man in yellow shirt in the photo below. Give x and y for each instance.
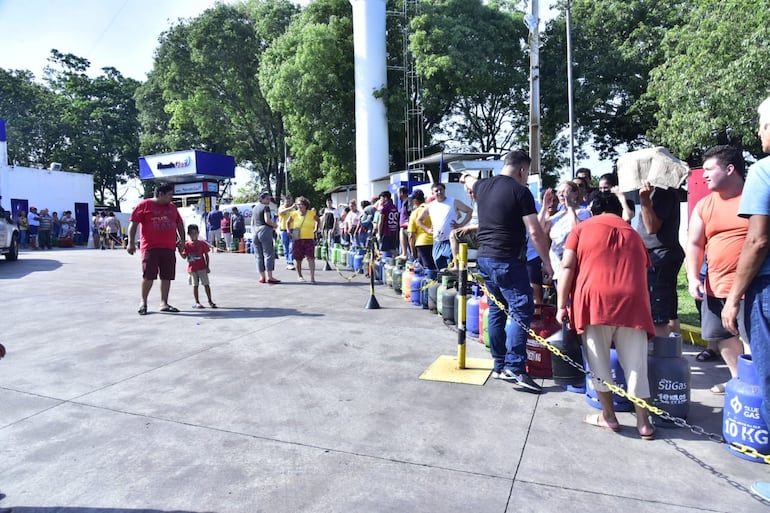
(420, 241)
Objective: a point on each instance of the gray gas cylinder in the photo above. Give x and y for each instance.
(669, 375)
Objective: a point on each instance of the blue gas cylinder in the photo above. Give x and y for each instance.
(472, 312)
(358, 260)
(742, 419)
(427, 281)
(351, 256)
(415, 287)
(592, 398)
(669, 376)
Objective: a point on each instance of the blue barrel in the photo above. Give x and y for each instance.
(592, 398)
(472, 312)
(742, 419)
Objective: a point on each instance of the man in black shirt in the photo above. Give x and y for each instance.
(660, 231)
(507, 215)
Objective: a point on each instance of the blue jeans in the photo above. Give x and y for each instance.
(508, 281)
(442, 253)
(757, 316)
(288, 246)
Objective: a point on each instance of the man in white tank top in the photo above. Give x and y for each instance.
(444, 213)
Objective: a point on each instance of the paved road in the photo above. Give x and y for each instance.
(294, 398)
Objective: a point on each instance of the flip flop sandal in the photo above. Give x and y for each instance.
(273, 281)
(198, 306)
(169, 309)
(142, 310)
(650, 436)
(718, 389)
(212, 304)
(596, 421)
(707, 355)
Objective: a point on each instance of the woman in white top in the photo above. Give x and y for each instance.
(558, 226)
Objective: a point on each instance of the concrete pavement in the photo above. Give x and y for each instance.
(294, 398)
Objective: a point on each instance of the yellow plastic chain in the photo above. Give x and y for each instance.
(680, 422)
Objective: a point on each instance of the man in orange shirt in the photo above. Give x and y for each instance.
(717, 231)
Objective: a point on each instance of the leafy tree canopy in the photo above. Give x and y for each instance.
(203, 91)
(713, 78)
(307, 76)
(98, 123)
(474, 67)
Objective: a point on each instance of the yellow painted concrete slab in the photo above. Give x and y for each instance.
(476, 370)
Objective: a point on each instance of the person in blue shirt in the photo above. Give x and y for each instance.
(752, 277)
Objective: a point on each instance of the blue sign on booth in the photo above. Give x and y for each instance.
(186, 166)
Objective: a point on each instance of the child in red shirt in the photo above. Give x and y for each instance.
(197, 254)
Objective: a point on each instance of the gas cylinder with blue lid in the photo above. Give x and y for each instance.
(742, 418)
(618, 376)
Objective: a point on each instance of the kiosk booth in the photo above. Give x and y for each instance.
(195, 174)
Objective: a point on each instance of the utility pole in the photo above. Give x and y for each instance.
(570, 100)
(532, 21)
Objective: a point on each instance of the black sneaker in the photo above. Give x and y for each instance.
(506, 375)
(527, 383)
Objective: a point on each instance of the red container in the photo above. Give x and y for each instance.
(483, 307)
(538, 357)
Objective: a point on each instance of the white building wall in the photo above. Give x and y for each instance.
(55, 190)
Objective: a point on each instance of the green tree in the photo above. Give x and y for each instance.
(307, 76)
(713, 78)
(474, 67)
(615, 45)
(29, 109)
(98, 125)
(203, 92)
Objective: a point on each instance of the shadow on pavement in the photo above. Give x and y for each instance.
(24, 266)
(56, 509)
(237, 312)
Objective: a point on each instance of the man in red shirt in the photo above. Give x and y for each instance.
(162, 234)
(388, 227)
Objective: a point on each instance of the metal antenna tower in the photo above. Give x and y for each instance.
(413, 117)
(414, 122)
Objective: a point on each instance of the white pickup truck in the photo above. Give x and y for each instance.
(9, 236)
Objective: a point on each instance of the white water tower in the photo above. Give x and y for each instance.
(372, 151)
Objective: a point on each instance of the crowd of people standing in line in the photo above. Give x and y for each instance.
(42, 230)
(598, 256)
